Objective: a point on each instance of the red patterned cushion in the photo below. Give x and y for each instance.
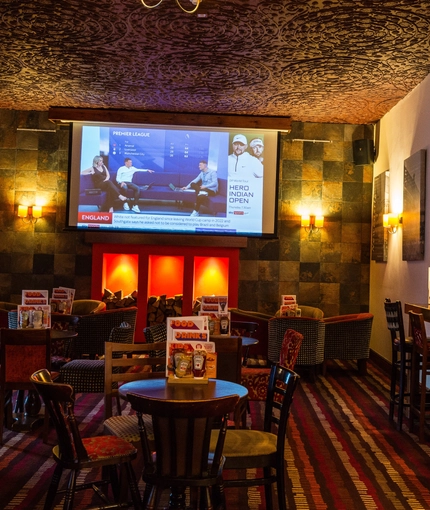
(290, 348)
(102, 447)
(256, 381)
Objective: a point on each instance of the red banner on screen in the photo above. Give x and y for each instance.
(95, 217)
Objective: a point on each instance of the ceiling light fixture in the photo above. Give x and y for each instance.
(195, 3)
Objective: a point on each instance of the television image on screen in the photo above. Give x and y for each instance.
(164, 179)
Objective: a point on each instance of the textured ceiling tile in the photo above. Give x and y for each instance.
(328, 61)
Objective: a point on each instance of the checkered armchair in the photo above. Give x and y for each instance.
(94, 330)
(88, 375)
(347, 337)
(153, 334)
(312, 349)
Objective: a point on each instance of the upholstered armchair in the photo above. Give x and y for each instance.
(94, 330)
(347, 337)
(312, 349)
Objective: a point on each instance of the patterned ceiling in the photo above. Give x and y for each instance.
(342, 61)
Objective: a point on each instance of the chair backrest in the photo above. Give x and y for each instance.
(419, 334)
(59, 402)
(182, 431)
(313, 331)
(290, 348)
(94, 330)
(394, 316)
(280, 392)
(243, 328)
(125, 363)
(86, 306)
(22, 352)
(229, 358)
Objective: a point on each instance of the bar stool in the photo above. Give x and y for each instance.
(401, 358)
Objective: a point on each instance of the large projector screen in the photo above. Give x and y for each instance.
(146, 178)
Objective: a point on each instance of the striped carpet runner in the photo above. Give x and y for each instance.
(342, 452)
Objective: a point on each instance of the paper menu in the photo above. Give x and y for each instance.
(191, 323)
(218, 304)
(34, 297)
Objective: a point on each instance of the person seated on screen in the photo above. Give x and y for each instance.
(101, 179)
(205, 184)
(241, 163)
(257, 148)
(124, 177)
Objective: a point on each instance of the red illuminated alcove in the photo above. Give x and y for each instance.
(211, 276)
(165, 275)
(120, 272)
(164, 269)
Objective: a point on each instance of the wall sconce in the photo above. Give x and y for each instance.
(29, 214)
(312, 223)
(392, 222)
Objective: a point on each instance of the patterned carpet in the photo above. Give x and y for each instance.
(342, 454)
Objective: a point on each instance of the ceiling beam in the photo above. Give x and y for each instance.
(58, 114)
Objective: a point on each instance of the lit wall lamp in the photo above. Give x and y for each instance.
(392, 222)
(29, 214)
(312, 223)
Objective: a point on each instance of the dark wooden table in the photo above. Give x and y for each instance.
(163, 390)
(247, 342)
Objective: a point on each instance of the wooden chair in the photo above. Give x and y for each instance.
(137, 364)
(419, 405)
(401, 359)
(22, 352)
(252, 449)
(256, 380)
(76, 453)
(182, 433)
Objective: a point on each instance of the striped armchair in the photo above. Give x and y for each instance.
(312, 349)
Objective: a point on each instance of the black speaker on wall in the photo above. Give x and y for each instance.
(362, 151)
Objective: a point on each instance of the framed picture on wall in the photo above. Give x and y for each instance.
(414, 201)
(381, 204)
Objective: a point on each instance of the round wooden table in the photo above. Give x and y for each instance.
(163, 390)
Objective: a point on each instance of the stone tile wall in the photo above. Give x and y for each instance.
(329, 270)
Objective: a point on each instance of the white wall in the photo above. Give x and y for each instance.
(403, 131)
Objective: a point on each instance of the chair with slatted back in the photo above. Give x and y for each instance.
(401, 359)
(254, 449)
(22, 352)
(141, 365)
(76, 453)
(182, 433)
(419, 401)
